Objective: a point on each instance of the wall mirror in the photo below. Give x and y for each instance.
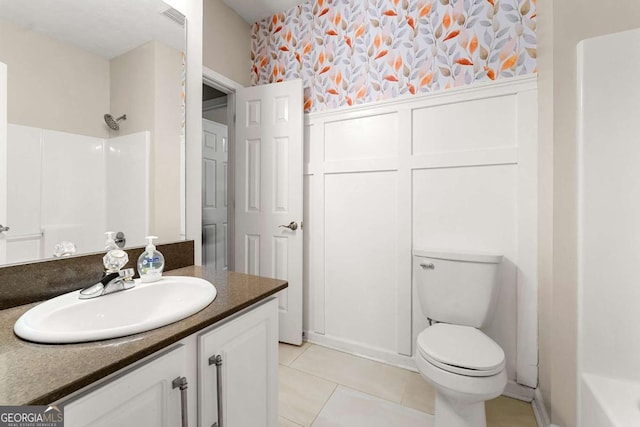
(95, 124)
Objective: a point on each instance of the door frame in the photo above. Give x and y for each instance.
(4, 146)
(228, 86)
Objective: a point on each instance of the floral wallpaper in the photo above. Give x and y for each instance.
(357, 51)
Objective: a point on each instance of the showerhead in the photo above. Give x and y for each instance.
(113, 123)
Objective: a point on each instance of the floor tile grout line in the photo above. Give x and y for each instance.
(324, 404)
(295, 358)
(291, 421)
(339, 383)
(301, 353)
(368, 395)
(347, 386)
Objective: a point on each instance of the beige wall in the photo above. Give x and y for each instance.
(573, 20)
(226, 42)
(146, 86)
(132, 87)
(53, 85)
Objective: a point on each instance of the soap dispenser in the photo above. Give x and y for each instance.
(151, 262)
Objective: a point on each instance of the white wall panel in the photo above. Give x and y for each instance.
(73, 173)
(24, 250)
(128, 172)
(466, 125)
(24, 156)
(471, 209)
(24, 165)
(361, 257)
(369, 137)
(452, 169)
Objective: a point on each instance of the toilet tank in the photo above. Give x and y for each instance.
(457, 287)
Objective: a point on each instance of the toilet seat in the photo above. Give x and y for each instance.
(461, 350)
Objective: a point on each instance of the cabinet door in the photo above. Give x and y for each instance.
(142, 397)
(248, 347)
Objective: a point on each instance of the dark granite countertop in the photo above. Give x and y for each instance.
(39, 374)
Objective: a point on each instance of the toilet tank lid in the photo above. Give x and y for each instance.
(457, 255)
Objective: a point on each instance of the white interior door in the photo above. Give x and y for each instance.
(268, 193)
(3, 161)
(215, 154)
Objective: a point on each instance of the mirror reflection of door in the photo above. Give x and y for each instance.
(215, 154)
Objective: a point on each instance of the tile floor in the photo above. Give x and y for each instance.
(321, 387)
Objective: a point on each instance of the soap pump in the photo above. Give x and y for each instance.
(151, 262)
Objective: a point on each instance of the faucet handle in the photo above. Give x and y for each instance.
(127, 273)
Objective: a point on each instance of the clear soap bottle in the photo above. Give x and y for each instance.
(151, 262)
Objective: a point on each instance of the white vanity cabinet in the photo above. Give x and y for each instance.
(238, 371)
(148, 394)
(144, 396)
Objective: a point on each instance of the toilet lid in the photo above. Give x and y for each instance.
(461, 349)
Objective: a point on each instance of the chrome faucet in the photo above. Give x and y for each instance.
(111, 282)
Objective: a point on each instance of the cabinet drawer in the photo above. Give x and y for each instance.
(143, 396)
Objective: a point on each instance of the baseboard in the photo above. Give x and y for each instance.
(540, 411)
(518, 391)
(512, 389)
(357, 349)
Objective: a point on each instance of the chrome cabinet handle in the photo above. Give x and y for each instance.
(429, 266)
(217, 360)
(3, 228)
(181, 383)
(293, 226)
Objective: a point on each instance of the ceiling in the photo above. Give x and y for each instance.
(105, 27)
(256, 10)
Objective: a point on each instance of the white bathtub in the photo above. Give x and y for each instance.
(609, 402)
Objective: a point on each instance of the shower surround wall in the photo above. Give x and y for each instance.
(63, 186)
(355, 52)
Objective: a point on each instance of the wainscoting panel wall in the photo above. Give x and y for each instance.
(453, 169)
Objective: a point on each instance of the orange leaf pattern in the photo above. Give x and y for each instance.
(358, 51)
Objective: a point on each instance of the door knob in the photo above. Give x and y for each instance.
(293, 226)
(3, 228)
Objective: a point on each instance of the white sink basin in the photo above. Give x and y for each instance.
(68, 319)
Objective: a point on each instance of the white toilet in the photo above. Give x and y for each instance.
(457, 293)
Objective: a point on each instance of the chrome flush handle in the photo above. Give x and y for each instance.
(429, 266)
(293, 226)
(3, 228)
